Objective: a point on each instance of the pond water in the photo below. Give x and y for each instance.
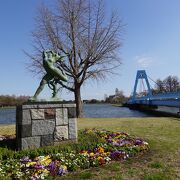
(109, 111)
(8, 116)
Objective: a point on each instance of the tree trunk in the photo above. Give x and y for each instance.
(77, 94)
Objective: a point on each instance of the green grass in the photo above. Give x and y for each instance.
(8, 107)
(7, 129)
(161, 162)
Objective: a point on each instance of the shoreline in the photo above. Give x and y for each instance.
(8, 107)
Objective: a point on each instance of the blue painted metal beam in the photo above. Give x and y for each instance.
(170, 103)
(141, 74)
(171, 99)
(172, 95)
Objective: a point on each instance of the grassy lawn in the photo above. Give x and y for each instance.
(7, 129)
(161, 162)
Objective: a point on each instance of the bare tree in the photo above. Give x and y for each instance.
(80, 30)
(175, 84)
(159, 86)
(171, 83)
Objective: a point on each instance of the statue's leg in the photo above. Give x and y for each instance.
(59, 73)
(55, 90)
(55, 71)
(43, 82)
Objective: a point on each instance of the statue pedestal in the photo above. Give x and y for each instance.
(44, 124)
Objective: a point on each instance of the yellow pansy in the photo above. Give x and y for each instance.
(30, 164)
(91, 154)
(101, 150)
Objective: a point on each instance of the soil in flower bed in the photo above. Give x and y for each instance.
(95, 148)
(8, 141)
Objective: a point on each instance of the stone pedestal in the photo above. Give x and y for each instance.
(43, 124)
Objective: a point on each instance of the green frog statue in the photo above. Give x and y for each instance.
(54, 73)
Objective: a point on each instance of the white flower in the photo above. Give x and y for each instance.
(107, 159)
(145, 143)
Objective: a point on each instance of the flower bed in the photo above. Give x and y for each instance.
(115, 146)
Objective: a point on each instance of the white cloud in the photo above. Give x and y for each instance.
(144, 61)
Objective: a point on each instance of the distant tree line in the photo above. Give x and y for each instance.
(169, 84)
(7, 100)
(93, 101)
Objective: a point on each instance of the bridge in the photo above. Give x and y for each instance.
(169, 99)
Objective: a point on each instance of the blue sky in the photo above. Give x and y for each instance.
(151, 41)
